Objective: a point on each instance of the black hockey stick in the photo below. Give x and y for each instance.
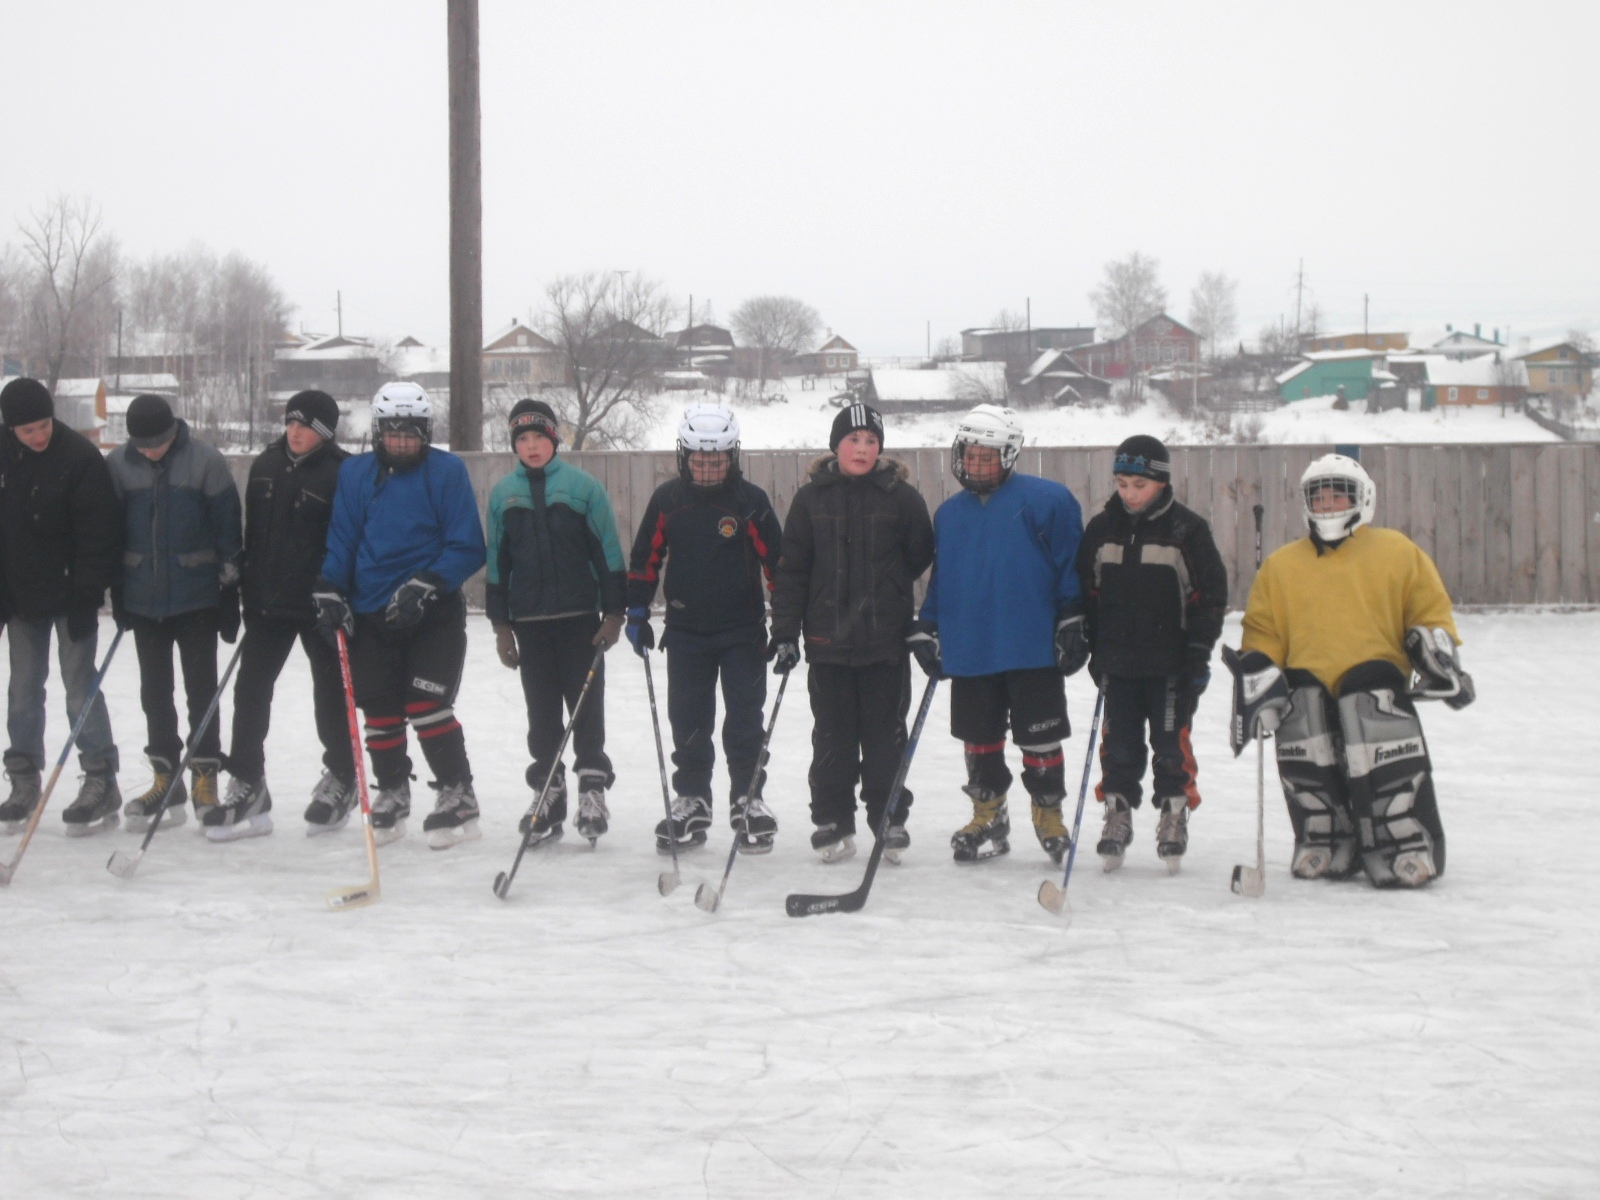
(665, 883)
(801, 905)
(704, 898)
(1052, 897)
(124, 865)
(7, 870)
(502, 881)
(1252, 881)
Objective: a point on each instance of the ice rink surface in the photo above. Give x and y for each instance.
(210, 1029)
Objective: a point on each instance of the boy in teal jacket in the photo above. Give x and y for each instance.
(555, 592)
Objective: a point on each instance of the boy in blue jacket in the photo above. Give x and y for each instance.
(405, 536)
(1004, 619)
(556, 585)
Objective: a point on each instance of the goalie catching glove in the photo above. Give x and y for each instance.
(1437, 662)
(1260, 696)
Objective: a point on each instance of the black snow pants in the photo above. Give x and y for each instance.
(267, 642)
(694, 663)
(555, 658)
(858, 733)
(1131, 705)
(195, 636)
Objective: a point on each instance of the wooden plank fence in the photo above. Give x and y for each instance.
(1506, 524)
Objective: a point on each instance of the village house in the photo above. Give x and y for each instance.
(1159, 342)
(1558, 369)
(833, 356)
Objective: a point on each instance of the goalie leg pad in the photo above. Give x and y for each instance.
(1391, 778)
(1309, 762)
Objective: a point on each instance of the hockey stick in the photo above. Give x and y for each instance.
(801, 905)
(10, 868)
(705, 899)
(1252, 881)
(361, 894)
(1052, 897)
(502, 881)
(124, 865)
(665, 883)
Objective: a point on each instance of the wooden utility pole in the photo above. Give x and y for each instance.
(466, 231)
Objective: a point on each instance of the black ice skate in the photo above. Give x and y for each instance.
(390, 808)
(454, 818)
(331, 802)
(141, 810)
(97, 806)
(547, 825)
(24, 798)
(1051, 830)
(987, 834)
(754, 825)
(833, 842)
(895, 843)
(1116, 833)
(1172, 833)
(593, 818)
(691, 817)
(245, 812)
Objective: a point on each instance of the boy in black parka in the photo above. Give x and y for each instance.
(856, 539)
(1155, 590)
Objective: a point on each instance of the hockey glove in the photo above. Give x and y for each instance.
(640, 636)
(333, 613)
(1437, 662)
(1260, 696)
(412, 600)
(505, 645)
(924, 646)
(119, 610)
(228, 615)
(783, 654)
(1072, 642)
(610, 631)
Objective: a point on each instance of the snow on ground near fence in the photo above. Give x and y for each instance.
(804, 418)
(209, 1029)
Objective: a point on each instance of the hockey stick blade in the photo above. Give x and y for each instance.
(1247, 881)
(707, 898)
(1053, 896)
(124, 865)
(502, 884)
(800, 905)
(353, 897)
(667, 882)
(5, 875)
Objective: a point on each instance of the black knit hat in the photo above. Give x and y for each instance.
(537, 416)
(853, 417)
(24, 401)
(1143, 455)
(150, 422)
(315, 410)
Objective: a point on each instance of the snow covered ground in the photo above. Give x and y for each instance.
(803, 419)
(209, 1029)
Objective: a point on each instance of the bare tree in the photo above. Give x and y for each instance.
(1214, 309)
(13, 301)
(1008, 320)
(608, 327)
(947, 348)
(778, 327)
(1129, 295)
(73, 264)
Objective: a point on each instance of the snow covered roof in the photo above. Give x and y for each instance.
(1482, 371)
(528, 341)
(325, 349)
(158, 382)
(1539, 346)
(1343, 355)
(416, 359)
(958, 381)
(73, 389)
(1297, 369)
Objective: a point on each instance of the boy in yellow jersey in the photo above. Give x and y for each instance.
(1336, 625)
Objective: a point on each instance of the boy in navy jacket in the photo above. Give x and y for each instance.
(1003, 618)
(405, 536)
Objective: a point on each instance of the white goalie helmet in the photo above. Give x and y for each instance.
(988, 425)
(1344, 475)
(710, 428)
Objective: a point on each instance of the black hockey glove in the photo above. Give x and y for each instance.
(333, 612)
(412, 600)
(924, 646)
(640, 636)
(1260, 696)
(1072, 641)
(783, 654)
(228, 614)
(1437, 662)
(1196, 676)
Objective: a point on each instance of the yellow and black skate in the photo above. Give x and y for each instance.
(1051, 829)
(985, 836)
(138, 812)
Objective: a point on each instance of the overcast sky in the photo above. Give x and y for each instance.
(892, 164)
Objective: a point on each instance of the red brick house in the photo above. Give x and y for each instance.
(1159, 342)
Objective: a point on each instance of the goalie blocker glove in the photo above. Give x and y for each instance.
(1260, 696)
(1437, 662)
(412, 600)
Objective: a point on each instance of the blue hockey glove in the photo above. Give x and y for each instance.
(640, 636)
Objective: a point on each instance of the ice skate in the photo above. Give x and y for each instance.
(204, 790)
(753, 824)
(245, 812)
(987, 834)
(454, 818)
(141, 810)
(24, 798)
(895, 843)
(96, 807)
(691, 817)
(331, 803)
(832, 842)
(1116, 833)
(593, 818)
(390, 808)
(1172, 833)
(547, 826)
(1051, 830)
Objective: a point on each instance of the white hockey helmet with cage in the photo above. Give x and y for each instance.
(402, 402)
(987, 425)
(1343, 475)
(708, 427)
